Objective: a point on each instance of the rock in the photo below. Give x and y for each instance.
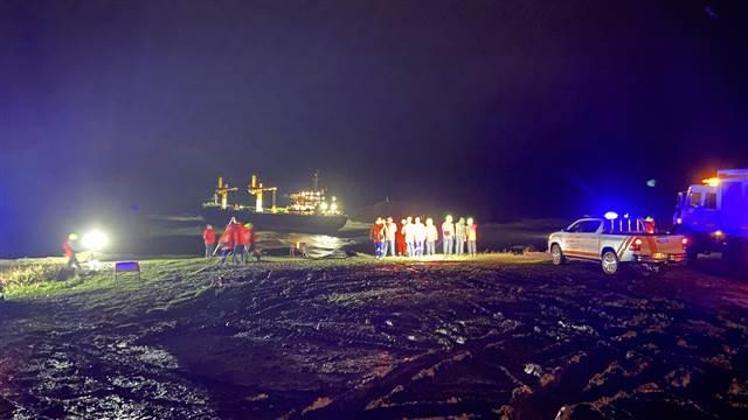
(533, 369)
(549, 379)
(564, 413)
(320, 402)
(679, 378)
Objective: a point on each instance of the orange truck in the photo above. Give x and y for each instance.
(714, 216)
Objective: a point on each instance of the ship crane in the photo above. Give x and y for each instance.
(223, 192)
(256, 189)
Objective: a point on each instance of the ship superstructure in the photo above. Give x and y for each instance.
(308, 211)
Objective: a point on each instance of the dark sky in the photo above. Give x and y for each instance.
(506, 109)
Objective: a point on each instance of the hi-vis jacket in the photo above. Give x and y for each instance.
(448, 230)
(460, 231)
(419, 232)
(431, 233)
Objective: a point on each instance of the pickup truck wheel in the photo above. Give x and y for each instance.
(610, 262)
(557, 255)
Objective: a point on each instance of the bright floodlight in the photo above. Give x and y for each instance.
(712, 182)
(95, 240)
(611, 215)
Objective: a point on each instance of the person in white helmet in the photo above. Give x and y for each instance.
(432, 235)
(419, 236)
(391, 234)
(410, 236)
(460, 236)
(448, 235)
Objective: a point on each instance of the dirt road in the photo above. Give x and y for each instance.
(501, 336)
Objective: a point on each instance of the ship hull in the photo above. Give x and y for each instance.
(279, 222)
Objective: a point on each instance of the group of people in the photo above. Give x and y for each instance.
(412, 238)
(237, 240)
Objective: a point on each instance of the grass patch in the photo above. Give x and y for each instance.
(43, 278)
(362, 296)
(33, 277)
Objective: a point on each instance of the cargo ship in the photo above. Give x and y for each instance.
(309, 211)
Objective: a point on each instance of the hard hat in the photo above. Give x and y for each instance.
(73, 237)
(248, 225)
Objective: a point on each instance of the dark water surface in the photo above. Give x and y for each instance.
(180, 235)
(140, 235)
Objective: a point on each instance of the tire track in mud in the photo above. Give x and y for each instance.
(87, 371)
(575, 364)
(395, 340)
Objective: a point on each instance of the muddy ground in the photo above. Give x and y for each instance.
(501, 336)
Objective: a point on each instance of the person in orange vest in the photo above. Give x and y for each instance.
(377, 236)
(209, 239)
(649, 225)
(225, 245)
(67, 249)
(471, 232)
(400, 238)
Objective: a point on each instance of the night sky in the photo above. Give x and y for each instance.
(505, 109)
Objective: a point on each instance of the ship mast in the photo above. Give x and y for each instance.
(315, 181)
(255, 188)
(223, 192)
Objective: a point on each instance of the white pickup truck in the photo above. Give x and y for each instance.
(611, 244)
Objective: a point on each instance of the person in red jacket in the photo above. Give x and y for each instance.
(67, 249)
(209, 239)
(400, 239)
(377, 235)
(243, 239)
(248, 240)
(237, 240)
(649, 225)
(227, 242)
